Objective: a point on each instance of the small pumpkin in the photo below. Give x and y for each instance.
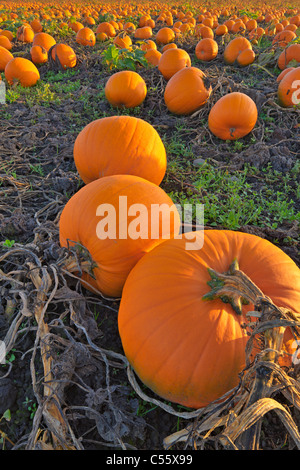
(173, 60)
(107, 28)
(186, 349)
(153, 56)
(206, 49)
(233, 116)
(164, 35)
(234, 48)
(39, 55)
(114, 243)
(25, 34)
(145, 32)
(125, 89)
(64, 55)
(86, 37)
(187, 91)
(5, 42)
(246, 57)
(123, 41)
(43, 39)
(120, 145)
(21, 70)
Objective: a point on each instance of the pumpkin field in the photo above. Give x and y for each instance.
(149, 225)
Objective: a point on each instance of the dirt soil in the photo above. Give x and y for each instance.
(38, 176)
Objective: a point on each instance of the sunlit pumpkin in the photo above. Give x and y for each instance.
(125, 89)
(186, 349)
(21, 70)
(233, 116)
(112, 219)
(288, 92)
(173, 60)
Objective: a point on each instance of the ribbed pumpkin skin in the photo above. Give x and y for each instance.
(125, 88)
(233, 116)
(288, 91)
(120, 145)
(43, 39)
(22, 71)
(185, 349)
(114, 257)
(186, 91)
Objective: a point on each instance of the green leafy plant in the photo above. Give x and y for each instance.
(124, 59)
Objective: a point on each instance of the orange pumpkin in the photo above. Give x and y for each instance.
(25, 34)
(186, 91)
(221, 30)
(86, 37)
(289, 54)
(39, 55)
(186, 349)
(116, 244)
(153, 56)
(120, 145)
(234, 48)
(145, 32)
(22, 71)
(64, 55)
(283, 38)
(206, 49)
(123, 41)
(164, 35)
(43, 39)
(5, 42)
(246, 57)
(283, 73)
(5, 57)
(173, 60)
(233, 116)
(106, 28)
(125, 89)
(288, 91)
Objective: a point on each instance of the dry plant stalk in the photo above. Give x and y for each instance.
(238, 414)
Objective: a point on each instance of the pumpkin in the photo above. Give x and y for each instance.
(39, 55)
(186, 349)
(129, 27)
(120, 145)
(221, 30)
(164, 35)
(170, 45)
(86, 37)
(144, 32)
(123, 41)
(173, 60)
(103, 217)
(64, 55)
(43, 39)
(125, 89)
(149, 44)
(186, 91)
(22, 71)
(75, 26)
(25, 34)
(283, 38)
(234, 48)
(288, 91)
(101, 36)
(233, 116)
(204, 32)
(106, 28)
(153, 56)
(36, 26)
(283, 73)
(5, 42)
(289, 54)
(206, 49)
(5, 57)
(246, 57)
(7, 33)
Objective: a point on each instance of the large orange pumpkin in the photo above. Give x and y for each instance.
(86, 37)
(125, 89)
(120, 145)
(64, 55)
(112, 219)
(233, 116)
(206, 49)
(186, 91)
(5, 57)
(186, 349)
(43, 39)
